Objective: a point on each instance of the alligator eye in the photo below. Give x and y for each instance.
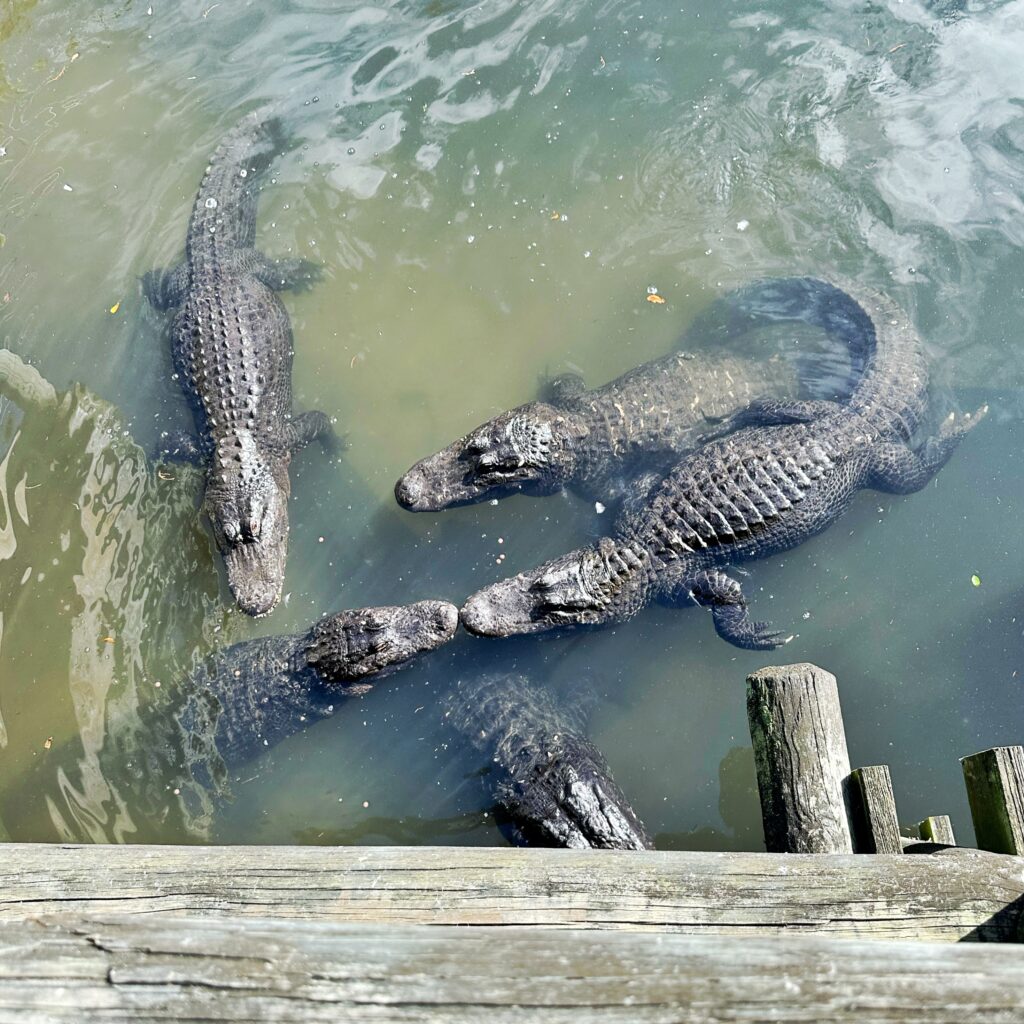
(254, 527)
(230, 532)
(478, 445)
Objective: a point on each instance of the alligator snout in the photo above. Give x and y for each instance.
(503, 609)
(436, 483)
(409, 490)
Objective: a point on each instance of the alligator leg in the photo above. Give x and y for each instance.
(165, 287)
(309, 426)
(723, 595)
(897, 469)
(286, 274)
(775, 412)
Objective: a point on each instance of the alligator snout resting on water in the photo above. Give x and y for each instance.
(551, 785)
(788, 472)
(231, 343)
(255, 694)
(594, 442)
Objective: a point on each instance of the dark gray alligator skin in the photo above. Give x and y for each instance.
(596, 442)
(551, 785)
(254, 694)
(232, 347)
(782, 472)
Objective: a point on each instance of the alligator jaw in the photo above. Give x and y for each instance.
(256, 574)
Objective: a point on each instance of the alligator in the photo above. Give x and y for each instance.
(254, 694)
(596, 442)
(551, 785)
(231, 344)
(781, 471)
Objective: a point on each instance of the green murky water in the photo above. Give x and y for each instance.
(492, 188)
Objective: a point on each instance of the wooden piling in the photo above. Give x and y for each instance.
(937, 829)
(796, 727)
(873, 822)
(995, 790)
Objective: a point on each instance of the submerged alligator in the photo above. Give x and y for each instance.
(596, 442)
(232, 348)
(255, 694)
(788, 472)
(551, 785)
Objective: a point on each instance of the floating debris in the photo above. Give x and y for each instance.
(656, 299)
(975, 580)
(115, 307)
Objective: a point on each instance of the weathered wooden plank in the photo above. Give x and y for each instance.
(937, 829)
(796, 726)
(144, 969)
(945, 896)
(873, 820)
(995, 790)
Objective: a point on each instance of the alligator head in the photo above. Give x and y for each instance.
(529, 449)
(353, 645)
(586, 587)
(247, 503)
(567, 798)
(552, 786)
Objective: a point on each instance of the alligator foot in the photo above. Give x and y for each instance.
(289, 274)
(309, 427)
(772, 412)
(165, 287)
(897, 469)
(724, 596)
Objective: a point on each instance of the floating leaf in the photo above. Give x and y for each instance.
(48, 743)
(108, 639)
(555, 215)
(115, 307)
(657, 299)
(975, 580)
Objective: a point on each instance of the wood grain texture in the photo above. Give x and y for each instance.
(873, 820)
(995, 790)
(157, 968)
(796, 726)
(944, 896)
(937, 829)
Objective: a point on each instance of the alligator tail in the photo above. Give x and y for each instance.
(887, 376)
(225, 206)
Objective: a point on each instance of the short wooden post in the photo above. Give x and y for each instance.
(796, 726)
(995, 790)
(873, 821)
(937, 829)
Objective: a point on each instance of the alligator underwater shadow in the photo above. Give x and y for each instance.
(782, 472)
(232, 350)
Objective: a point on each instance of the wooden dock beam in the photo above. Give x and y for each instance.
(873, 821)
(995, 790)
(937, 829)
(796, 726)
(158, 968)
(945, 896)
